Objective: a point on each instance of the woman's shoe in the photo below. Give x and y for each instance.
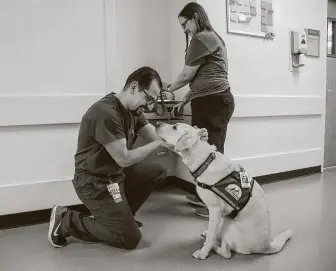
(195, 200)
(203, 212)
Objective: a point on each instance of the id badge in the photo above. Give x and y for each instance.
(245, 180)
(114, 191)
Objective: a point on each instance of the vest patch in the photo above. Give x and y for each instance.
(234, 190)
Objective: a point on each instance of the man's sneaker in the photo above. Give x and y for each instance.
(204, 212)
(140, 226)
(55, 239)
(195, 200)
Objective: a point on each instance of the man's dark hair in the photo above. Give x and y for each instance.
(195, 11)
(144, 76)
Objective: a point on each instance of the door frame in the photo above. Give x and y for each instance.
(328, 95)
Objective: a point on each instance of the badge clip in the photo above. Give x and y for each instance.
(114, 191)
(245, 180)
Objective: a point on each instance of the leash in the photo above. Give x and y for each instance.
(164, 107)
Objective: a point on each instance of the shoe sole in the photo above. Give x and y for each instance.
(52, 225)
(205, 216)
(197, 203)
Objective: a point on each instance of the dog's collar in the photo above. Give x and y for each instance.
(198, 172)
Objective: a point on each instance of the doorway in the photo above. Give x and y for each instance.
(330, 122)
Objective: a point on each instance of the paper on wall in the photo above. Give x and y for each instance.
(313, 42)
(234, 8)
(233, 17)
(244, 2)
(264, 28)
(243, 9)
(253, 11)
(263, 4)
(270, 29)
(269, 6)
(270, 17)
(242, 18)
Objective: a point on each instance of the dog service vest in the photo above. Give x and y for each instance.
(229, 188)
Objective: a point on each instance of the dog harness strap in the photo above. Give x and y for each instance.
(230, 190)
(203, 185)
(222, 194)
(219, 193)
(204, 166)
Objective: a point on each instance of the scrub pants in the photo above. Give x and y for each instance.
(110, 222)
(213, 112)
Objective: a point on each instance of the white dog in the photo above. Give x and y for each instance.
(239, 218)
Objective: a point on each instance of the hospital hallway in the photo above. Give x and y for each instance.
(172, 231)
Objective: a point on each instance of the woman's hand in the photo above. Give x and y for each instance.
(177, 109)
(165, 86)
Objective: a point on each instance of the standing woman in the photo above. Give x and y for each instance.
(206, 71)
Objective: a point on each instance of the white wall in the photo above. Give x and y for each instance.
(278, 124)
(141, 38)
(60, 56)
(52, 68)
(177, 44)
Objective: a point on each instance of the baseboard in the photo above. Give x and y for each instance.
(281, 176)
(42, 216)
(33, 217)
(329, 168)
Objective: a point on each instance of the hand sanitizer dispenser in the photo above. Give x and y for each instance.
(298, 48)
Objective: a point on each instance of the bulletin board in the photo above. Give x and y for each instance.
(251, 17)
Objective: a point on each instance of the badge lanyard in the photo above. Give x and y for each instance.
(114, 191)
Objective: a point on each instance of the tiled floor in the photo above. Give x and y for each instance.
(172, 233)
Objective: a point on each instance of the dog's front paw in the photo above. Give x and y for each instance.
(201, 254)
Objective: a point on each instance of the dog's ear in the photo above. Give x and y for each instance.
(185, 142)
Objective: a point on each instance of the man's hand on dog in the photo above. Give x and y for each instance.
(166, 145)
(203, 133)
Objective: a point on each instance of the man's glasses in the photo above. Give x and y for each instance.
(151, 102)
(149, 99)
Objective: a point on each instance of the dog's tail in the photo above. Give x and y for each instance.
(279, 241)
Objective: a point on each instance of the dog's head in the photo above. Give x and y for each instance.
(181, 135)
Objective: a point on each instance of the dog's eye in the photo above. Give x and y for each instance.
(175, 127)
